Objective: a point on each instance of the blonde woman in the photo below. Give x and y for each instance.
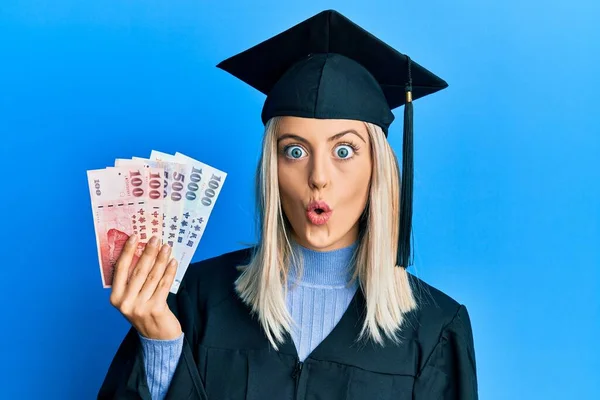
(323, 306)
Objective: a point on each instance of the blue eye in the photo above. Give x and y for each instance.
(294, 152)
(344, 151)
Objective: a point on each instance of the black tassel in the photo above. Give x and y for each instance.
(406, 191)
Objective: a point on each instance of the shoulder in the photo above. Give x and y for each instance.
(211, 280)
(433, 304)
(436, 314)
(441, 327)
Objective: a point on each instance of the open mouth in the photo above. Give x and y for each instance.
(318, 212)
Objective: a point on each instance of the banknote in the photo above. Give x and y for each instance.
(173, 206)
(119, 198)
(182, 190)
(211, 181)
(155, 201)
(170, 196)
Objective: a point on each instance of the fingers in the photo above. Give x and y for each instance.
(162, 290)
(122, 269)
(143, 299)
(143, 266)
(156, 273)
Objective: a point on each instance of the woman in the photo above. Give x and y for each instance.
(322, 307)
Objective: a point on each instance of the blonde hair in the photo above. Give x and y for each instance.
(262, 284)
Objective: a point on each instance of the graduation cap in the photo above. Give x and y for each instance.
(329, 67)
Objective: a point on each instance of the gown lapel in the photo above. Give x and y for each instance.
(340, 339)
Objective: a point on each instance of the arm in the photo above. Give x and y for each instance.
(154, 313)
(160, 360)
(450, 371)
(127, 378)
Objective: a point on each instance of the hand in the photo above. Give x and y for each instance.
(143, 300)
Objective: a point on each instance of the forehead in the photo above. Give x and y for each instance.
(319, 128)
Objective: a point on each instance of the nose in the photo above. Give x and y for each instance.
(319, 174)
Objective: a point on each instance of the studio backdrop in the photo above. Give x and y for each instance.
(507, 175)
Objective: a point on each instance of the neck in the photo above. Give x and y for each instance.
(332, 268)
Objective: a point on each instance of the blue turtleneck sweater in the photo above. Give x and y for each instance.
(316, 301)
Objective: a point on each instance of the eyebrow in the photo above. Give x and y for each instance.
(332, 138)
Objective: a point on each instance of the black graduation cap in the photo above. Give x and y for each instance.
(329, 67)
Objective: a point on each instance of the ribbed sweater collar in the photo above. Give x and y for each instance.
(332, 268)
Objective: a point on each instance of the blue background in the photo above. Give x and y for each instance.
(507, 196)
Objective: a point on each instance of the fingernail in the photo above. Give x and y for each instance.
(153, 241)
(165, 249)
(133, 238)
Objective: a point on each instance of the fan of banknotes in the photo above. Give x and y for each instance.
(168, 196)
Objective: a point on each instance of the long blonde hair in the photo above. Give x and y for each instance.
(262, 284)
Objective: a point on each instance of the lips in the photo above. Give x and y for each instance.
(318, 212)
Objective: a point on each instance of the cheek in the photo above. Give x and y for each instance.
(285, 183)
(289, 187)
(357, 184)
(359, 192)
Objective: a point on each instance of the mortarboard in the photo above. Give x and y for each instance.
(329, 67)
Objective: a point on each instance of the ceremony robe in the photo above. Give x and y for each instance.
(226, 354)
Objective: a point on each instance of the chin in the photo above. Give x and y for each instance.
(320, 239)
(319, 242)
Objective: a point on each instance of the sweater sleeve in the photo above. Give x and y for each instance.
(160, 361)
(127, 378)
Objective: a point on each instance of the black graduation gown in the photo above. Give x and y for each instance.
(227, 356)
